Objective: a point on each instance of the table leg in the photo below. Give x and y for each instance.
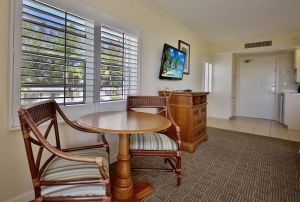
(123, 188)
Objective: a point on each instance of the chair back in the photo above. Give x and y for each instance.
(158, 102)
(31, 117)
(161, 103)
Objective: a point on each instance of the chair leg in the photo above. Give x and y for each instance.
(178, 170)
(178, 179)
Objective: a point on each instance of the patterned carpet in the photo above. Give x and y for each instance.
(230, 166)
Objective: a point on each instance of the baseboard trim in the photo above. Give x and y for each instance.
(27, 196)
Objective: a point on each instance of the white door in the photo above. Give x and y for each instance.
(258, 88)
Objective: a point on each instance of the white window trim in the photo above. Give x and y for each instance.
(203, 74)
(75, 111)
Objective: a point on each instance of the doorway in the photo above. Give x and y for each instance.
(258, 88)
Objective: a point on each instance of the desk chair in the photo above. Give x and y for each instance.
(74, 174)
(160, 143)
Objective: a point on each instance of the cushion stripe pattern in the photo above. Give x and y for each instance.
(62, 169)
(151, 141)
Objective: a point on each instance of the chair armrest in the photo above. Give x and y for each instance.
(70, 123)
(78, 127)
(177, 128)
(57, 152)
(172, 121)
(84, 147)
(174, 124)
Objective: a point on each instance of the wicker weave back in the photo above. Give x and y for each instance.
(147, 101)
(41, 112)
(159, 102)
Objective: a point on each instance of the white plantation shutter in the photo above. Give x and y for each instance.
(207, 75)
(57, 55)
(119, 64)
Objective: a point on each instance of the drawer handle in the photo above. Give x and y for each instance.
(200, 121)
(196, 112)
(202, 110)
(199, 132)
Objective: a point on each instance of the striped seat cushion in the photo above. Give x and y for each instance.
(61, 169)
(151, 141)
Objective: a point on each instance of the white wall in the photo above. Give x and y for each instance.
(278, 42)
(286, 63)
(155, 31)
(221, 95)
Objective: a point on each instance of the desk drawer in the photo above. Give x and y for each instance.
(199, 111)
(199, 121)
(199, 132)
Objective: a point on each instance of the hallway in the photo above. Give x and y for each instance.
(255, 126)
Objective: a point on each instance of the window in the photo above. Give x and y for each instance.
(119, 72)
(70, 52)
(57, 55)
(207, 75)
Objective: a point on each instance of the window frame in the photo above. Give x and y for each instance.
(76, 7)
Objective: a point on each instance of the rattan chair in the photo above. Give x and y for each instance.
(160, 143)
(74, 174)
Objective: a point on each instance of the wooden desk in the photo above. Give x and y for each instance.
(189, 113)
(125, 123)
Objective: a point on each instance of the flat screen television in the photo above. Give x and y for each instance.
(172, 63)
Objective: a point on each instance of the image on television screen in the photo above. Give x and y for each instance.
(172, 64)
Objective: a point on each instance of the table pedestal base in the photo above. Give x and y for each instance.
(140, 191)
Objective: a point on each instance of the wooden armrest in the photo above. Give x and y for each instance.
(174, 124)
(85, 147)
(62, 154)
(71, 157)
(76, 126)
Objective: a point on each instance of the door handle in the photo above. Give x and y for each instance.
(272, 90)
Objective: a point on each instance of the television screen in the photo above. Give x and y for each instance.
(172, 63)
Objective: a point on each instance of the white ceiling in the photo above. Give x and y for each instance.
(218, 21)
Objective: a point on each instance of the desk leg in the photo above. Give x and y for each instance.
(123, 188)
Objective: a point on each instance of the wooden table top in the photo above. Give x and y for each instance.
(124, 122)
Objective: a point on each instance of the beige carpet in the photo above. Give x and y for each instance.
(230, 166)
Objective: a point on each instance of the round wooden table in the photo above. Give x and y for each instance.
(125, 123)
